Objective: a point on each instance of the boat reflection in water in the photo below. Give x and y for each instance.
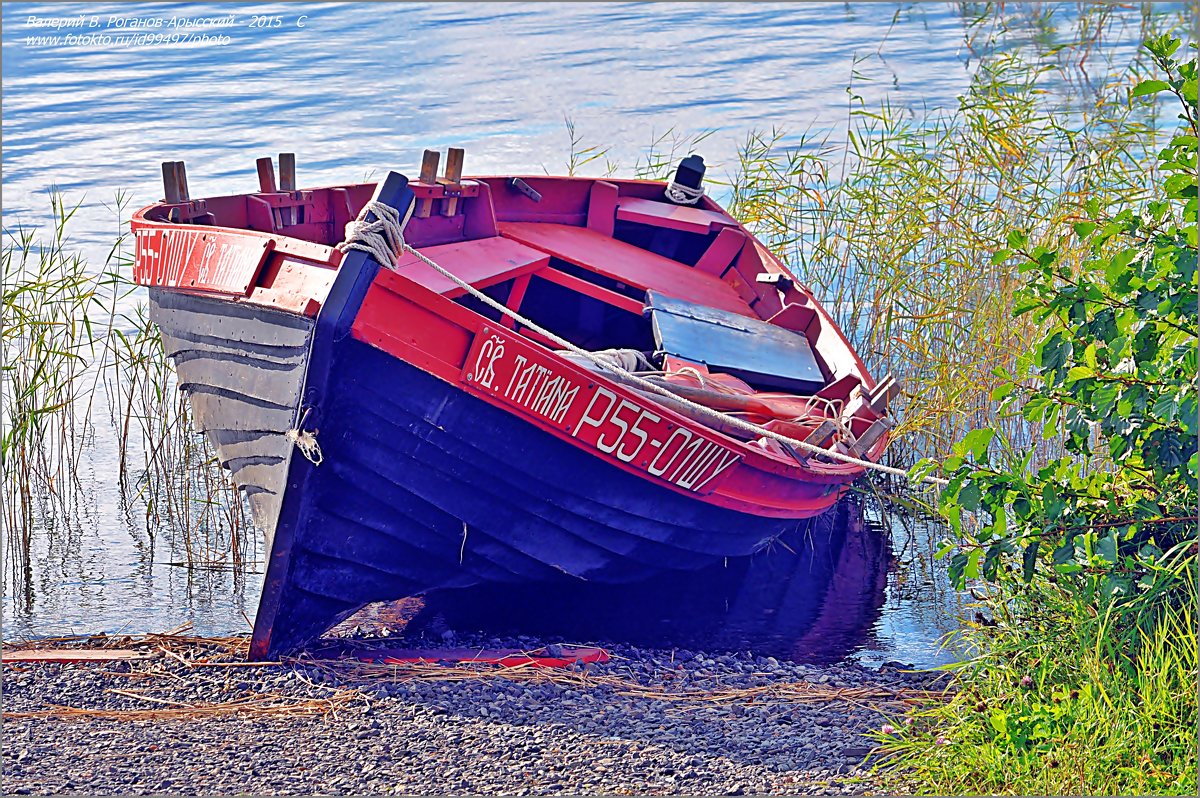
(814, 596)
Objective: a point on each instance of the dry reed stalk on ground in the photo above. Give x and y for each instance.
(258, 705)
(789, 692)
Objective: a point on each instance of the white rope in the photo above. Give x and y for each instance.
(306, 442)
(684, 195)
(384, 240)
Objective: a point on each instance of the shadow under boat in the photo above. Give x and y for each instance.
(815, 596)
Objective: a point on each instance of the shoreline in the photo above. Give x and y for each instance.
(648, 721)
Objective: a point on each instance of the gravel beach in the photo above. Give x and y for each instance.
(646, 722)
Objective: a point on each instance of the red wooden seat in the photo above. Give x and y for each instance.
(481, 262)
(626, 263)
(687, 218)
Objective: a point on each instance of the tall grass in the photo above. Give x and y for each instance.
(49, 300)
(896, 234)
(1058, 697)
(65, 343)
(166, 467)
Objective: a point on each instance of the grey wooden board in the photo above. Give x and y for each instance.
(275, 446)
(274, 386)
(758, 352)
(265, 506)
(215, 409)
(268, 477)
(227, 320)
(242, 368)
(180, 343)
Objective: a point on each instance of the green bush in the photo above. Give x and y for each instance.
(1115, 376)
(1082, 669)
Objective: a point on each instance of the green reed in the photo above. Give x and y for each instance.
(66, 342)
(1058, 697)
(167, 468)
(49, 305)
(895, 233)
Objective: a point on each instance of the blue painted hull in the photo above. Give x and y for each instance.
(423, 486)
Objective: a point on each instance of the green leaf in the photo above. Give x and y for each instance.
(1029, 560)
(1149, 87)
(1064, 553)
(1052, 504)
(977, 441)
(968, 497)
(1079, 373)
(971, 568)
(1001, 391)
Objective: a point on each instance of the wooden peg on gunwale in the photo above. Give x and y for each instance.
(181, 181)
(287, 182)
(451, 180)
(266, 175)
(287, 171)
(429, 167)
(170, 183)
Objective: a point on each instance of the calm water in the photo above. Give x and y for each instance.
(355, 91)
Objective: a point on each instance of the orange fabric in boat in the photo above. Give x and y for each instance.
(778, 412)
(628, 264)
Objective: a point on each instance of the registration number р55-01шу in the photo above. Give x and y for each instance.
(620, 427)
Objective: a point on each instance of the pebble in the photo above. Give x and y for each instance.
(481, 736)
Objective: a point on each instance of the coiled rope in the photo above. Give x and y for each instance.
(683, 195)
(383, 239)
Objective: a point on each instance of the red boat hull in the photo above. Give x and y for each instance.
(456, 446)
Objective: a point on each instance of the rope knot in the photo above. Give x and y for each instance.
(306, 442)
(382, 239)
(684, 195)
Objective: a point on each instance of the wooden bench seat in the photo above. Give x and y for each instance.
(626, 263)
(687, 218)
(481, 262)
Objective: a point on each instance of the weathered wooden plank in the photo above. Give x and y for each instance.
(279, 387)
(174, 311)
(270, 477)
(287, 171)
(179, 343)
(171, 191)
(264, 445)
(686, 218)
(452, 180)
(721, 252)
(220, 306)
(264, 507)
(181, 181)
(868, 439)
(215, 409)
(429, 167)
(624, 262)
(287, 182)
(602, 207)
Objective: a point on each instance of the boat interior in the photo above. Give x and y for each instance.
(675, 292)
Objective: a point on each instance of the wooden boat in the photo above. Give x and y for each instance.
(596, 382)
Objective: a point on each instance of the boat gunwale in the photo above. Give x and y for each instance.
(833, 473)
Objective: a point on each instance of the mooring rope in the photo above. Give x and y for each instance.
(383, 239)
(683, 195)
